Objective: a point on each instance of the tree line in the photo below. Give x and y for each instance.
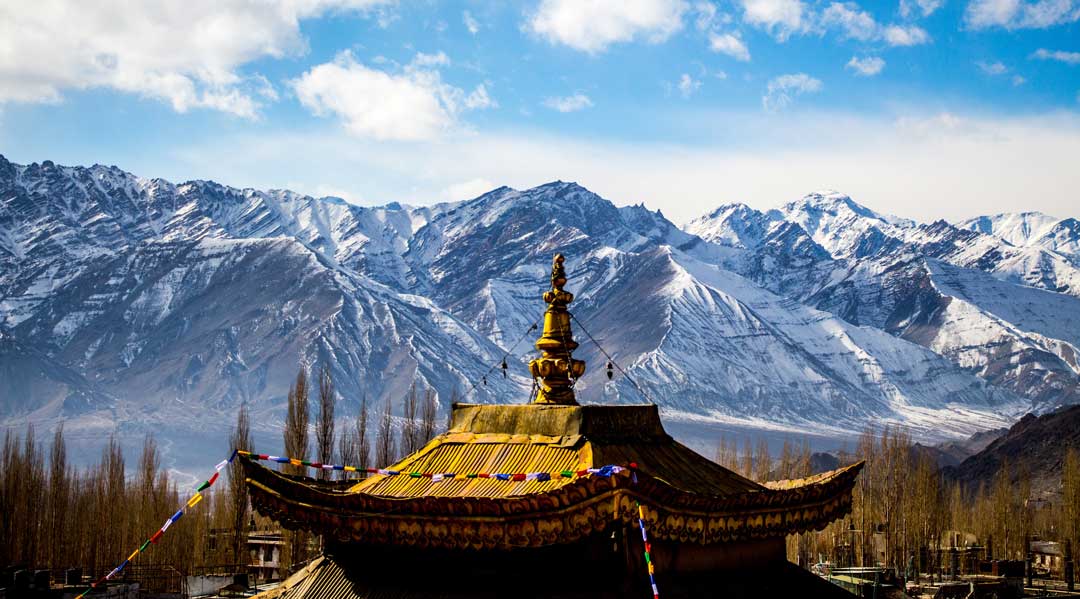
(906, 514)
(56, 516)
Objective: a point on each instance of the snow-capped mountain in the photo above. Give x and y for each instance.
(1005, 312)
(140, 303)
(1031, 229)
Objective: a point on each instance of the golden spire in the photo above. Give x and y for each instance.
(555, 367)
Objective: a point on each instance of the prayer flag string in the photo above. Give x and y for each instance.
(648, 550)
(153, 539)
(603, 471)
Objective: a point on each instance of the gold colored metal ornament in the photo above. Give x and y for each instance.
(556, 369)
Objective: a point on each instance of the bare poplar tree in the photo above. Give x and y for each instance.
(427, 417)
(116, 537)
(1070, 499)
(762, 462)
(747, 467)
(57, 504)
(296, 447)
(410, 434)
(385, 450)
(8, 496)
(347, 450)
(33, 480)
(297, 419)
(363, 438)
(238, 495)
(354, 443)
(324, 426)
(149, 464)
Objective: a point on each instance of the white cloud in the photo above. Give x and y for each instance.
(1018, 80)
(187, 54)
(925, 7)
(781, 18)
(424, 61)
(706, 15)
(911, 35)
(1058, 55)
(851, 20)
(593, 25)
(867, 66)
(413, 105)
(925, 166)
(572, 103)
(1020, 14)
(471, 24)
(688, 85)
(992, 68)
(783, 90)
(478, 98)
(729, 44)
(323, 190)
(787, 17)
(466, 190)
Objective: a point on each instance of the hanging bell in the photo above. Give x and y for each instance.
(610, 370)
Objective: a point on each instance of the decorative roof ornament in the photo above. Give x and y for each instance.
(556, 370)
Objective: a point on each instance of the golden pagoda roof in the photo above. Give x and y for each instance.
(694, 499)
(550, 438)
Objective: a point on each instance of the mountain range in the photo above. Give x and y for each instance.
(132, 305)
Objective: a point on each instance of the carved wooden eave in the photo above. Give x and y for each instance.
(564, 515)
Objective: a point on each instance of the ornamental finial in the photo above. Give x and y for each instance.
(555, 369)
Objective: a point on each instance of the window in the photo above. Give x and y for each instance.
(268, 553)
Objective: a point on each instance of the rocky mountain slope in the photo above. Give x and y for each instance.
(1034, 447)
(137, 304)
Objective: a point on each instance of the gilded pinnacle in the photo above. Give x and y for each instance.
(555, 371)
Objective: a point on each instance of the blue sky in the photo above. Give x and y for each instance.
(923, 108)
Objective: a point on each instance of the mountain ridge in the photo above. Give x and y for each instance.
(135, 285)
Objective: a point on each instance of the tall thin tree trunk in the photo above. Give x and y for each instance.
(385, 450)
(324, 426)
(238, 494)
(296, 447)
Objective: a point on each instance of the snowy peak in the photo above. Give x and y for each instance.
(840, 225)
(1018, 228)
(839, 206)
(1031, 230)
(736, 225)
